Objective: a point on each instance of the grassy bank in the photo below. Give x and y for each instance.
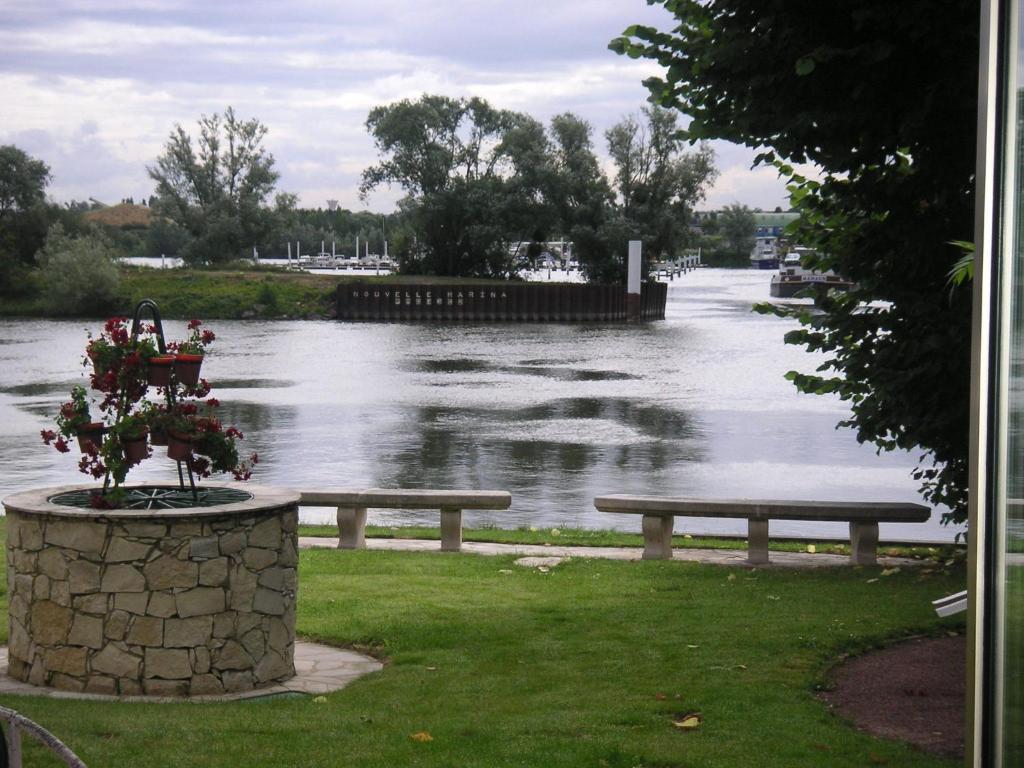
(585, 665)
(229, 293)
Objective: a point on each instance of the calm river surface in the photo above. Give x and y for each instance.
(695, 405)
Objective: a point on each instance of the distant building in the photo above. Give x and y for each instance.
(773, 224)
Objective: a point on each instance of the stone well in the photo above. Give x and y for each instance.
(165, 602)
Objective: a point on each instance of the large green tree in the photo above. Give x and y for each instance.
(473, 177)
(24, 214)
(657, 181)
(216, 187)
(882, 97)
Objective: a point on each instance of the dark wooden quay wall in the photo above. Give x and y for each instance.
(512, 302)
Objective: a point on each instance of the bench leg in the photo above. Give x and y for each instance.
(863, 543)
(451, 529)
(657, 536)
(757, 542)
(351, 528)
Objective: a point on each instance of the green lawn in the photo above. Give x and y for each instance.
(585, 665)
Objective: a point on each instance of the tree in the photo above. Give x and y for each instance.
(216, 189)
(473, 175)
(23, 181)
(657, 182)
(24, 215)
(882, 97)
(736, 227)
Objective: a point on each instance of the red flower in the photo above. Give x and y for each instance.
(213, 402)
(48, 435)
(208, 336)
(193, 324)
(61, 445)
(233, 432)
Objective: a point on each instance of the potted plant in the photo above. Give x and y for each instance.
(75, 420)
(188, 357)
(131, 432)
(181, 430)
(156, 418)
(158, 370)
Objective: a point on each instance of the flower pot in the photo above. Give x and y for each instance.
(158, 370)
(179, 447)
(158, 436)
(186, 368)
(134, 450)
(90, 434)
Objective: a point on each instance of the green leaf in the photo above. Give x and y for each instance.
(804, 66)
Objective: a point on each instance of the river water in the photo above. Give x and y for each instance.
(695, 405)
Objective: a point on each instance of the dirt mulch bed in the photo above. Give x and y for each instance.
(912, 691)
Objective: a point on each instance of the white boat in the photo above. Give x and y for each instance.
(765, 254)
(793, 277)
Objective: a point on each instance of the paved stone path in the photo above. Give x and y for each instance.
(713, 556)
(318, 669)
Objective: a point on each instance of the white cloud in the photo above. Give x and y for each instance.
(94, 87)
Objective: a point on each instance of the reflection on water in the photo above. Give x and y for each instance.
(693, 406)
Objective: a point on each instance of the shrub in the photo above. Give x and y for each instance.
(78, 274)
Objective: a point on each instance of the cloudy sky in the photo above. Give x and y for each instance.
(94, 87)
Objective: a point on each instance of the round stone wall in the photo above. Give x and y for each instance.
(175, 602)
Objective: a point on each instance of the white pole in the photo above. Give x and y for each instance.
(633, 279)
(333, 252)
(289, 252)
(633, 282)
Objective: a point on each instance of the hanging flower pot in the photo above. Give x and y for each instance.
(135, 450)
(90, 434)
(158, 370)
(186, 368)
(179, 446)
(158, 436)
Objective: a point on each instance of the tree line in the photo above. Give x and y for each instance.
(483, 189)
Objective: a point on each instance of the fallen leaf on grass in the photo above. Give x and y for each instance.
(889, 571)
(821, 747)
(431, 669)
(872, 581)
(421, 736)
(319, 699)
(504, 570)
(688, 721)
(660, 696)
(877, 759)
(543, 568)
(732, 577)
(774, 597)
(693, 646)
(811, 549)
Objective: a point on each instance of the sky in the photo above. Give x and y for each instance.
(95, 88)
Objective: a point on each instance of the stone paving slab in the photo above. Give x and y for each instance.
(734, 557)
(319, 669)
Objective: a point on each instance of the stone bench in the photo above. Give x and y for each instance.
(659, 516)
(352, 506)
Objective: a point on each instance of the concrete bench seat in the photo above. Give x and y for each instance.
(352, 506)
(659, 517)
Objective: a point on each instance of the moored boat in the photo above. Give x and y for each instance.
(793, 278)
